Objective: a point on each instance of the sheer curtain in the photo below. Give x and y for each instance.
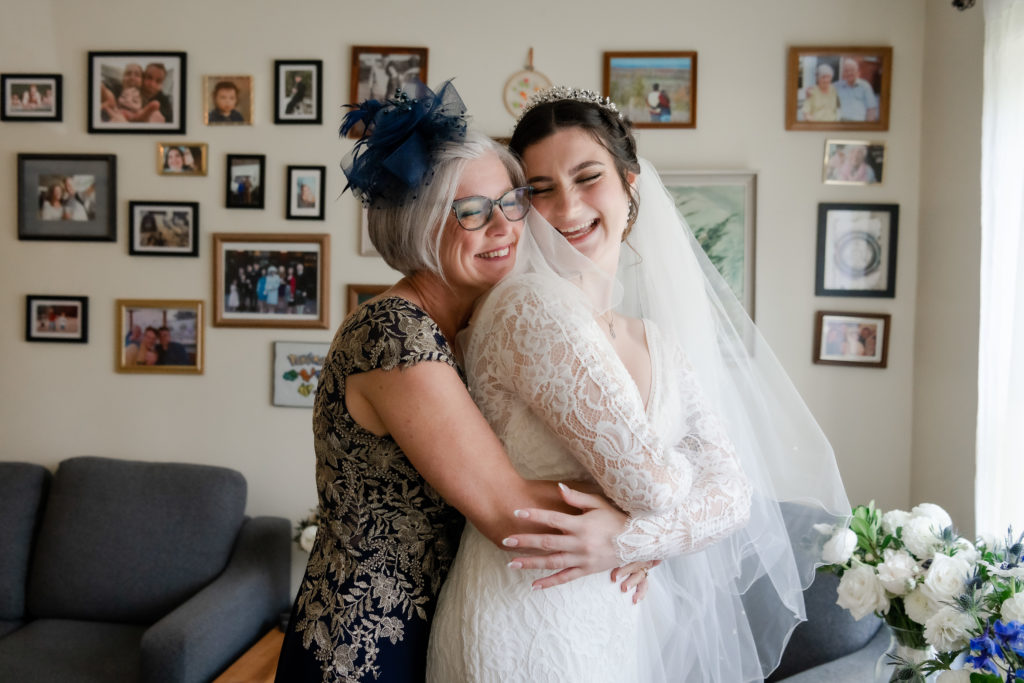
(999, 484)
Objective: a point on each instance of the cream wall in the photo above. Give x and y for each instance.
(61, 400)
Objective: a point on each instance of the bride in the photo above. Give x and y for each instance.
(672, 404)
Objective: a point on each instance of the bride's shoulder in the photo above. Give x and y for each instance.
(535, 290)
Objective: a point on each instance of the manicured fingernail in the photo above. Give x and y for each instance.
(510, 541)
(521, 514)
(515, 565)
(563, 487)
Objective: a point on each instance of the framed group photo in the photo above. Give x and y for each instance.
(159, 228)
(181, 159)
(306, 192)
(298, 91)
(227, 100)
(137, 92)
(159, 336)
(57, 318)
(31, 97)
(858, 339)
(857, 250)
(296, 372)
(271, 280)
(379, 72)
(67, 197)
(653, 89)
(853, 162)
(838, 88)
(244, 181)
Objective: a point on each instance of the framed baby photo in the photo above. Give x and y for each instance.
(857, 250)
(271, 280)
(244, 178)
(227, 100)
(67, 197)
(838, 88)
(858, 339)
(159, 228)
(853, 162)
(159, 336)
(360, 294)
(137, 92)
(296, 372)
(653, 89)
(57, 318)
(298, 91)
(31, 97)
(379, 72)
(306, 192)
(181, 159)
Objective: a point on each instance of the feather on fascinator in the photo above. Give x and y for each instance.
(395, 155)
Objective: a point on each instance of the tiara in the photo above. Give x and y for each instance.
(561, 92)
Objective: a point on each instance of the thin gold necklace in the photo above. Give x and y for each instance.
(611, 323)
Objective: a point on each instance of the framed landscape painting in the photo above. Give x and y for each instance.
(654, 89)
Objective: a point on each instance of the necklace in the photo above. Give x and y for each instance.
(611, 323)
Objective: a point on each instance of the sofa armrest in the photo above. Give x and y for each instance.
(203, 635)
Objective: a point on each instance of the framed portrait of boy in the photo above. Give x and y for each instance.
(67, 197)
(181, 158)
(137, 92)
(57, 318)
(378, 72)
(159, 336)
(857, 250)
(855, 339)
(306, 192)
(159, 228)
(227, 100)
(853, 162)
(653, 89)
(297, 372)
(838, 88)
(298, 91)
(31, 97)
(244, 181)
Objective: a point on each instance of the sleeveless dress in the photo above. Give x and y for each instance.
(550, 384)
(386, 538)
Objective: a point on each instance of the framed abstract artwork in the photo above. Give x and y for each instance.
(857, 250)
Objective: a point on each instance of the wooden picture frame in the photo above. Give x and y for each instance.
(297, 372)
(305, 192)
(137, 92)
(653, 89)
(357, 294)
(159, 228)
(857, 83)
(181, 158)
(857, 250)
(244, 179)
(853, 162)
(298, 91)
(69, 197)
(32, 97)
(51, 318)
(242, 260)
(228, 100)
(159, 336)
(378, 71)
(852, 339)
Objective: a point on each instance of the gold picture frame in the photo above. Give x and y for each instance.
(159, 336)
(243, 110)
(181, 158)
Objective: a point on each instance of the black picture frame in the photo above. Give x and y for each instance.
(298, 102)
(856, 251)
(14, 87)
(87, 209)
(298, 205)
(240, 169)
(107, 75)
(160, 228)
(57, 318)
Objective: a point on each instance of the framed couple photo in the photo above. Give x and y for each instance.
(838, 88)
(159, 336)
(67, 197)
(181, 159)
(137, 92)
(853, 339)
(653, 89)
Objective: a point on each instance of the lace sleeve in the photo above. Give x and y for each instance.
(543, 345)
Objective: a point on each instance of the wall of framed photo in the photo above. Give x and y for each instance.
(273, 171)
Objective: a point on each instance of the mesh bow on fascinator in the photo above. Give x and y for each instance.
(402, 135)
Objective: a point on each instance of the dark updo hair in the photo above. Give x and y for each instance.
(611, 132)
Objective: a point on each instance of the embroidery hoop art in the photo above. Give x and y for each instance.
(522, 85)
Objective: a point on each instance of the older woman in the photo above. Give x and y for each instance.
(822, 102)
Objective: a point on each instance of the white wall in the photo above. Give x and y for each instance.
(62, 400)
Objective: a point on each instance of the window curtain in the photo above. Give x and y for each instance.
(999, 484)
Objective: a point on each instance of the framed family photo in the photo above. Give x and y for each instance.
(67, 197)
(298, 91)
(57, 318)
(838, 88)
(653, 89)
(271, 280)
(137, 92)
(857, 250)
(720, 208)
(181, 159)
(296, 372)
(306, 192)
(227, 100)
(159, 228)
(843, 338)
(159, 336)
(379, 72)
(31, 97)
(853, 162)
(244, 181)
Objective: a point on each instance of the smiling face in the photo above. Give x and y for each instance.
(174, 159)
(577, 188)
(132, 76)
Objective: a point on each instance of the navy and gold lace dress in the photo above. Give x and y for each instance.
(386, 539)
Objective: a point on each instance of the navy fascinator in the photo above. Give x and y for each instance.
(402, 135)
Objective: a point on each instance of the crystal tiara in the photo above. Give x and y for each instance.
(561, 92)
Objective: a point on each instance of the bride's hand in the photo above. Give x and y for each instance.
(634, 576)
(581, 544)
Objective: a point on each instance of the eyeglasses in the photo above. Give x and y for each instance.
(475, 212)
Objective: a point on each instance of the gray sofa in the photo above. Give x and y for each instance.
(117, 570)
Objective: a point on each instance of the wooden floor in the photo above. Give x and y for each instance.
(258, 664)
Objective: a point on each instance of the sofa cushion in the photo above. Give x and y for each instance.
(57, 651)
(127, 541)
(22, 489)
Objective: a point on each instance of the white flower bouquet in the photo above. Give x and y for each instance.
(306, 528)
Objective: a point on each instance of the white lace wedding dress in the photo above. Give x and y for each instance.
(550, 384)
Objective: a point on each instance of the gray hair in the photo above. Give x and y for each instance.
(408, 237)
(826, 69)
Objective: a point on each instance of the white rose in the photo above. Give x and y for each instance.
(934, 513)
(839, 548)
(860, 592)
(825, 529)
(894, 519)
(955, 676)
(949, 629)
(307, 537)
(898, 571)
(919, 606)
(966, 550)
(1013, 609)
(946, 577)
(921, 536)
